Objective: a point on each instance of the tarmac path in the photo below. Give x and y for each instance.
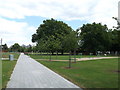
(29, 73)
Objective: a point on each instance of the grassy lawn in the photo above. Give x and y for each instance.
(60, 57)
(7, 68)
(88, 74)
(6, 55)
(53, 57)
(57, 57)
(0, 73)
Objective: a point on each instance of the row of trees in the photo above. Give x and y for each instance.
(53, 35)
(17, 48)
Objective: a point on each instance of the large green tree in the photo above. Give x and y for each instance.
(50, 34)
(115, 40)
(15, 48)
(94, 37)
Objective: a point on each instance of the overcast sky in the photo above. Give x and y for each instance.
(19, 19)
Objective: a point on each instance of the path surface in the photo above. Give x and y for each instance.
(28, 73)
(94, 58)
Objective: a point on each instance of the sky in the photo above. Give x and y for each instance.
(19, 19)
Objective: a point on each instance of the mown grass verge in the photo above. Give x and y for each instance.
(88, 74)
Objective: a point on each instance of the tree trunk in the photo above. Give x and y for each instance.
(74, 56)
(52, 52)
(47, 56)
(62, 52)
(56, 54)
(41, 55)
(70, 59)
(50, 57)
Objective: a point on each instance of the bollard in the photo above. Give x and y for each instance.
(11, 57)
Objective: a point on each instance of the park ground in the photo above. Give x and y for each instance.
(101, 73)
(7, 67)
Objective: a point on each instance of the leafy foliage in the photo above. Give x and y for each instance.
(70, 42)
(51, 35)
(15, 47)
(5, 48)
(115, 40)
(94, 37)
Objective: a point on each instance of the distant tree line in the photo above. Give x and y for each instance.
(17, 48)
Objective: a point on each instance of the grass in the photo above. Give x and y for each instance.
(88, 74)
(6, 54)
(0, 74)
(7, 68)
(60, 57)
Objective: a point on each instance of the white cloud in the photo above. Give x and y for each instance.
(60, 9)
(87, 10)
(15, 32)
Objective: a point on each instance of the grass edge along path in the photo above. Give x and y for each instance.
(0, 73)
(6, 55)
(64, 57)
(88, 74)
(7, 69)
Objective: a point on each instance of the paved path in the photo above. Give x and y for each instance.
(28, 73)
(94, 58)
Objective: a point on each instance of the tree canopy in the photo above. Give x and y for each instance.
(51, 34)
(15, 47)
(94, 37)
(115, 40)
(51, 27)
(5, 48)
(70, 41)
